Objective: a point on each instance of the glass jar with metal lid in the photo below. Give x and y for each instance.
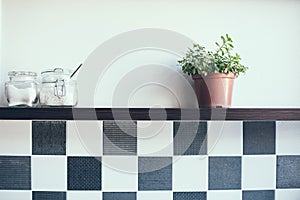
(57, 88)
(21, 89)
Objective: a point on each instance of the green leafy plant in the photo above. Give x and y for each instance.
(198, 60)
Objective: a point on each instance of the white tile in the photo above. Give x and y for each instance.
(259, 172)
(49, 173)
(84, 138)
(154, 195)
(15, 138)
(119, 173)
(190, 173)
(15, 195)
(287, 194)
(288, 138)
(155, 138)
(224, 138)
(224, 195)
(84, 195)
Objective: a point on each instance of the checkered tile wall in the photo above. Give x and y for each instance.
(149, 160)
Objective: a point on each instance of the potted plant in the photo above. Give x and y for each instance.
(213, 72)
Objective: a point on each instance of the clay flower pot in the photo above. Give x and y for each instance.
(214, 90)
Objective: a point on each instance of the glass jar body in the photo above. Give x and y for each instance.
(53, 95)
(22, 89)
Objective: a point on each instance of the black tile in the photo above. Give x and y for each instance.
(48, 195)
(224, 173)
(155, 173)
(15, 173)
(120, 138)
(288, 171)
(259, 195)
(259, 138)
(119, 196)
(49, 138)
(189, 196)
(84, 173)
(190, 138)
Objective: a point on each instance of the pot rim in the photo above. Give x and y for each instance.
(214, 76)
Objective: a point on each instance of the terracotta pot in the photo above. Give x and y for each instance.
(214, 90)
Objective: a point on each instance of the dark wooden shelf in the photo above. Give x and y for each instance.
(149, 114)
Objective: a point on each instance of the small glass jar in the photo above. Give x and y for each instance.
(58, 89)
(21, 89)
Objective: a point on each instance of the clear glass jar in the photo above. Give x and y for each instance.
(21, 89)
(57, 88)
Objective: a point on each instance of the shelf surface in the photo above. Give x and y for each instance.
(149, 114)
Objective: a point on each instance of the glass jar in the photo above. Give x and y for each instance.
(57, 88)
(21, 89)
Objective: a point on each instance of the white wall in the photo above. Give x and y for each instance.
(0, 38)
(40, 34)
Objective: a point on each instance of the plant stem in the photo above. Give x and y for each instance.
(220, 47)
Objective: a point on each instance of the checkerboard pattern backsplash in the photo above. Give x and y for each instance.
(149, 160)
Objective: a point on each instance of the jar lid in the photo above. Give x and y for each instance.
(21, 73)
(57, 71)
(56, 74)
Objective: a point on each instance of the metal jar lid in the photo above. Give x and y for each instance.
(56, 71)
(21, 73)
(55, 74)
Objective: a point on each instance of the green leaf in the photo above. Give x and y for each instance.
(223, 39)
(228, 38)
(194, 71)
